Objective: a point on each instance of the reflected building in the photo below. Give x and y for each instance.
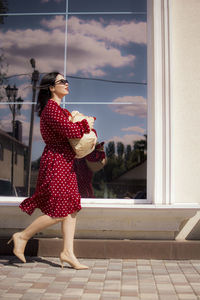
(6, 142)
(131, 184)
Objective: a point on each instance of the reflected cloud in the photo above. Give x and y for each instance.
(135, 129)
(6, 121)
(88, 49)
(127, 139)
(3, 97)
(3, 106)
(26, 106)
(33, 43)
(92, 45)
(90, 56)
(138, 106)
(21, 118)
(36, 133)
(115, 32)
(24, 90)
(6, 125)
(25, 131)
(58, 22)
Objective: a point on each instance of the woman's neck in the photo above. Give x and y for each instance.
(56, 99)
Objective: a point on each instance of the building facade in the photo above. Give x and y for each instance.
(172, 132)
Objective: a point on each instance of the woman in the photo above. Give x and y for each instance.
(56, 192)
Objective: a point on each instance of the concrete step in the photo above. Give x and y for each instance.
(99, 248)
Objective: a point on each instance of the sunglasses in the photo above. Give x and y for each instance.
(61, 81)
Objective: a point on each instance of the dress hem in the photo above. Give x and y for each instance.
(31, 212)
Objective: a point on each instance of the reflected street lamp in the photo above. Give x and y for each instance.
(15, 106)
(34, 80)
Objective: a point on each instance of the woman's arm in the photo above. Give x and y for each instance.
(55, 118)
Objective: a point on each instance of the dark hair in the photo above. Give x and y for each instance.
(45, 94)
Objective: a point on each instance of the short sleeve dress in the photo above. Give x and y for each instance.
(56, 191)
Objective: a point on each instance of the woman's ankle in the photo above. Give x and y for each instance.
(68, 253)
(24, 236)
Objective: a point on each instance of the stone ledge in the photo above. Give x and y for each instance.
(124, 249)
(142, 222)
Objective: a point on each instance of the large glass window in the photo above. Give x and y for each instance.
(101, 47)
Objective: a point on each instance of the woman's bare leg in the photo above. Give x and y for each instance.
(37, 225)
(68, 230)
(20, 239)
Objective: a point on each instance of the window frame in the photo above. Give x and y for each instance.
(160, 97)
(1, 152)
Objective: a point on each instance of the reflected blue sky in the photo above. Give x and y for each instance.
(37, 6)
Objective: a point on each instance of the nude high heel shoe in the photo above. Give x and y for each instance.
(19, 246)
(73, 263)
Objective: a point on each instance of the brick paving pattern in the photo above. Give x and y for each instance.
(106, 279)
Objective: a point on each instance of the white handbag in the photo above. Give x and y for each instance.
(96, 166)
(87, 143)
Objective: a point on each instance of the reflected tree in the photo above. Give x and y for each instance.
(126, 159)
(140, 148)
(120, 149)
(110, 150)
(128, 152)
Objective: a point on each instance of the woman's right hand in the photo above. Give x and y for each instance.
(90, 122)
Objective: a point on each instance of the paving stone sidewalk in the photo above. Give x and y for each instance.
(125, 279)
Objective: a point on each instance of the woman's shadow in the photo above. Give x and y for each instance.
(14, 261)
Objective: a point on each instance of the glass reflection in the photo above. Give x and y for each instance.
(38, 37)
(108, 47)
(125, 171)
(36, 6)
(18, 61)
(86, 167)
(123, 174)
(14, 150)
(107, 6)
(17, 146)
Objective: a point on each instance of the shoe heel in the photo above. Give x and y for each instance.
(10, 240)
(61, 262)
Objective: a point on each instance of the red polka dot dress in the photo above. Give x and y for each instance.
(56, 191)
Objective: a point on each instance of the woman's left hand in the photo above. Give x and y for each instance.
(90, 122)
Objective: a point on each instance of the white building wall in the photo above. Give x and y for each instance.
(185, 78)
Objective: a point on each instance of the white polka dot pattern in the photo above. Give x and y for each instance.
(56, 192)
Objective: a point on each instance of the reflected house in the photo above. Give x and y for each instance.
(6, 141)
(131, 184)
(34, 175)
